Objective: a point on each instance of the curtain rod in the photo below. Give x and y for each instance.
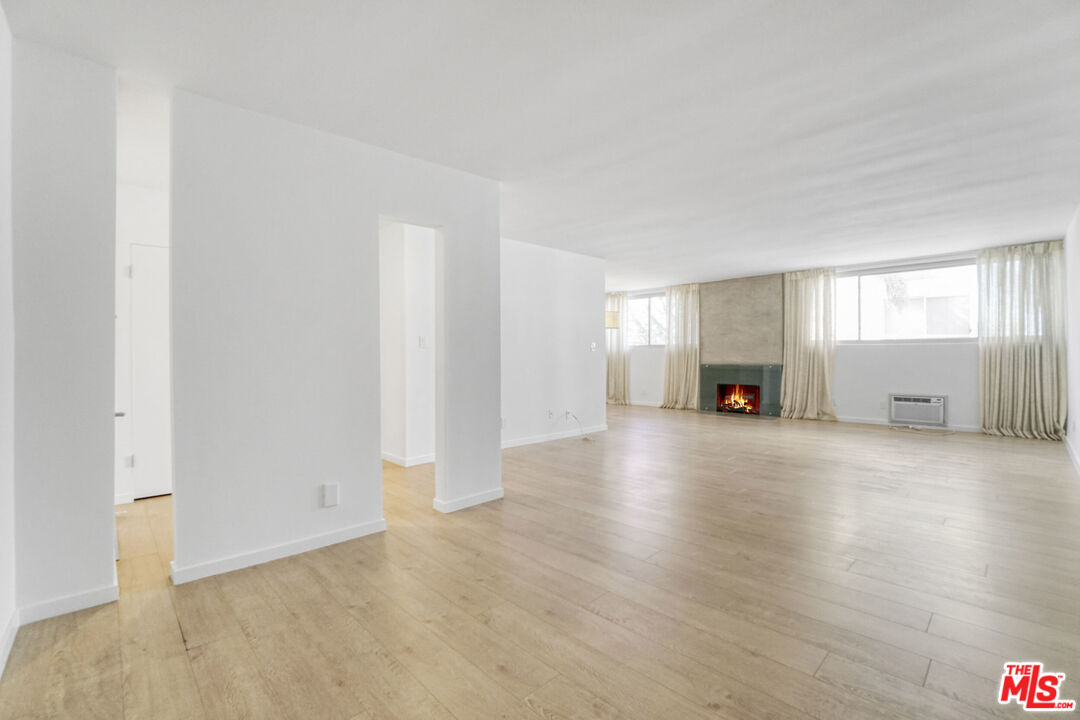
(926, 261)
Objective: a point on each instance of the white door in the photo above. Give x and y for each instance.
(151, 371)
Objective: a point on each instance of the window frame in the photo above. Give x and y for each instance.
(649, 295)
(886, 269)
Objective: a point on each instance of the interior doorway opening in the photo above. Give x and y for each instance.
(408, 351)
(143, 381)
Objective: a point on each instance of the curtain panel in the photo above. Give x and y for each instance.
(618, 357)
(682, 381)
(809, 345)
(1022, 375)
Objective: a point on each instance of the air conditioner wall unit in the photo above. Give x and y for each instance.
(917, 409)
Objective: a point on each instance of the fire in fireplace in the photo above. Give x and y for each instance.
(744, 399)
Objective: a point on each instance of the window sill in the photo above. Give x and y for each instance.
(914, 341)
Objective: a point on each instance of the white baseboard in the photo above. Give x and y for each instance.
(561, 435)
(467, 501)
(7, 639)
(1073, 454)
(124, 499)
(181, 575)
(879, 421)
(641, 403)
(69, 603)
(409, 461)
(392, 458)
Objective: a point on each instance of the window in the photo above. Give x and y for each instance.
(648, 320)
(920, 304)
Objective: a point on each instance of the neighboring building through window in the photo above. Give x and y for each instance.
(648, 320)
(928, 303)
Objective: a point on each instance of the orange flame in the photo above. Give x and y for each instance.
(736, 399)
(739, 399)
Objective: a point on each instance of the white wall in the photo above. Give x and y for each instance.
(1072, 285)
(392, 339)
(647, 375)
(64, 202)
(9, 619)
(865, 374)
(276, 328)
(552, 313)
(420, 348)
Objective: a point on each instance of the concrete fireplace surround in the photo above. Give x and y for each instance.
(742, 321)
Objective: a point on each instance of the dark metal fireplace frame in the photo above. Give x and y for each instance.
(766, 377)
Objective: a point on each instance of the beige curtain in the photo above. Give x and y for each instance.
(1022, 389)
(809, 345)
(618, 357)
(681, 370)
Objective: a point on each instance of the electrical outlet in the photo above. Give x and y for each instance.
(551, 415)
(594, 347)
(330, 494)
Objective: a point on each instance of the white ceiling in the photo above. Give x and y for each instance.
(680, 140)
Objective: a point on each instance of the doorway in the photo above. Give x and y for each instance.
(408, 350)
(143, 424)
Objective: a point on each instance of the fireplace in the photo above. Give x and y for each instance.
(738, 398)
(752, 390)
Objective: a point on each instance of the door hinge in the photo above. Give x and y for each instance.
(131, 271)
(129, 461)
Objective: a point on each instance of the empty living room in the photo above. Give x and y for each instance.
(581, 359)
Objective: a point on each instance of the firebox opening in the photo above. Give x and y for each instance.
(743, 399)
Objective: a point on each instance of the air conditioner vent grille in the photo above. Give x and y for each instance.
(917, 409)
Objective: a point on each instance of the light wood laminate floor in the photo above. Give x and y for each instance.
(677, 566)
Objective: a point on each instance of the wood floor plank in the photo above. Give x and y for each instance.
(257, 608)
(133, 531)
(889, 657)
(160, 687)
(459, 684)
(148, 624)
(1015, 599)
(85, 675)
(756, 639)
(304, 682)
(26, 676)
(384, 684)
(677, 672)
(1012, 645)
(417, 594)
(744, 669)
(885, 690)
(230, 684)
(203, 611)
(976, 692)
(561, 699)
(634, 694)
